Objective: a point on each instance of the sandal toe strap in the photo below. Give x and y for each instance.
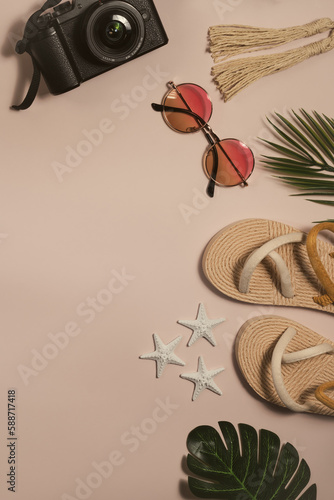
(278, 357)
(268, 249)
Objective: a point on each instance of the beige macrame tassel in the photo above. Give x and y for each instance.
(232, 40)
(227, 41)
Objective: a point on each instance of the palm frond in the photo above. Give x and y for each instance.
(318, 133)
(306, 154)
(300, 136)
(331, 203)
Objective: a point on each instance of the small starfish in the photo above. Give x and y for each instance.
(163, 354)
(202, 326)
(203, 379)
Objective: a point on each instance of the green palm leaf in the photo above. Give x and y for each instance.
(255, 469)
(306, 154)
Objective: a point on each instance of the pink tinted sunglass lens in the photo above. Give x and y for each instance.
(190, 97)
(230, 152)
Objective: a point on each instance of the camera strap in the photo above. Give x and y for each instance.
(30, 31)
(33, 88)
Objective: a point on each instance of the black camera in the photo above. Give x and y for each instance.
(81, 39)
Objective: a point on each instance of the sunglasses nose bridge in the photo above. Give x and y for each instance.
(214, 137)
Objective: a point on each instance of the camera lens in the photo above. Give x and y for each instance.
(114, 31)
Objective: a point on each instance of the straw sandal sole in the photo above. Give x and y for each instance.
(254, 346)
(225, 255)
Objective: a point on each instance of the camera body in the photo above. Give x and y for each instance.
(81, 39)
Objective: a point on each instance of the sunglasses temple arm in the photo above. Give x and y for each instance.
(206, 129)
(210, 190)
(199, 119)
(170, 109)
(234, 166)
(211, 186)
(217, 143)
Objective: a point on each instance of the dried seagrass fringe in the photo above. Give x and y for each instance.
(227, 41)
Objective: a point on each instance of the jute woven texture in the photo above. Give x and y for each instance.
(253, 350)
(226, 253)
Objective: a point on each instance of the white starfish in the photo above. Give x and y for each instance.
(203, 379)
(202, 326)
(163, 354)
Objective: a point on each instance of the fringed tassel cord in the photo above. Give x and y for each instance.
(232, 40)
(227, 41)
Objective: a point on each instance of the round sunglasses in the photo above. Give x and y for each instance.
(187, 108)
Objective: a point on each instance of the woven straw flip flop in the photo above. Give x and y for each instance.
(266, 262)
(287, 364)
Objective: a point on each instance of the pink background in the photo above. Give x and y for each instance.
(122, 210)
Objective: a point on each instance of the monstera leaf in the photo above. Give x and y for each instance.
(257, 468)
